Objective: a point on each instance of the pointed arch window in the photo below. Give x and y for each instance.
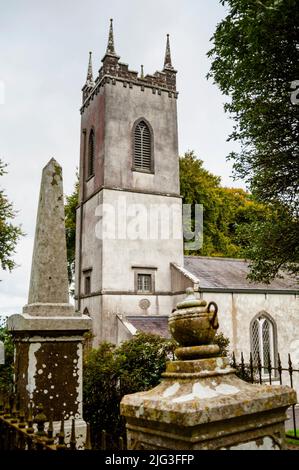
(143, 147)
(263, 338)
(90, 154)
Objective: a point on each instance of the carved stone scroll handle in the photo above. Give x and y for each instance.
(213, 319)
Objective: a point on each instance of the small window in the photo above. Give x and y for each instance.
(87, 281)
(142, 148)
(144, 279)
(91, 152)
(144, 283)
(263, 342)
(87, 284)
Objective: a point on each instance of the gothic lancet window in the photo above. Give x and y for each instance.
(143, 154)
(90, 154)
(263, 341)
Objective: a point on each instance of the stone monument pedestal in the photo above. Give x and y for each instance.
(49, 362)
(49, 333)
(200, 403)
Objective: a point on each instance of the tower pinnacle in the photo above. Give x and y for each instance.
(89, 78)
(167, 60)
(110, 46)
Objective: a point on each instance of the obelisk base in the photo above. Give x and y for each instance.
(49, 363)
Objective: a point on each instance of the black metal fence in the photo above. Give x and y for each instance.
(254, 372)
(20, 432)
(27, 432)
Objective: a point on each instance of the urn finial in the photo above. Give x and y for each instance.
(193, 325)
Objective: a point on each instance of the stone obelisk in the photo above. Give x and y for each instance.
(49, 281)
(49, 333)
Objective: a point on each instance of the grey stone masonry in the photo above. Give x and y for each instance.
(49, 333)
(200, 403)
(113, 70)
(49, 280)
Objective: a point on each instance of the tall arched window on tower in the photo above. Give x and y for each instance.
(263, 337)
(143, 147)
(90, 154)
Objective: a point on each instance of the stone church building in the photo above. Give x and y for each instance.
(129, 158)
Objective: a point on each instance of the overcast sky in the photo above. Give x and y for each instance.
(44, 49)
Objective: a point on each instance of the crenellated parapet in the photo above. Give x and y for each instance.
(113, 70)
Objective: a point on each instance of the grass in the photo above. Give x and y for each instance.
(294, 441)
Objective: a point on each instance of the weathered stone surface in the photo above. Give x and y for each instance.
(49, 282)
(49, 333)
(193, 323)
(202, 404)
(112, 110)
(200, 368)
(31, 323)
(204, 395)
(193, 352)
(49, 310)
(50, 373)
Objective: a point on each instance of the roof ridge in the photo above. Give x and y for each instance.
(221, 258)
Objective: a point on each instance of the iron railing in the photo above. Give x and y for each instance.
(255, 372)
(20, 432)
(27, 432)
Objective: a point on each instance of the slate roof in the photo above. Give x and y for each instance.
(230, 274)
(150, 324)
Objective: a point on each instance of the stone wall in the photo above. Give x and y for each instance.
(237, 310)
(114, 262)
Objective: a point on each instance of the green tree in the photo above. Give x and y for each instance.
(111, 372)
(254, 61)
(142, 360)
(101, 394)
(272, 244)
(72, 202)
(6, 370)
(225, 210)
(9, 233)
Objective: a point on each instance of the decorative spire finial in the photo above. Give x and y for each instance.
(110, 47)
(89, 78)
(167, 60)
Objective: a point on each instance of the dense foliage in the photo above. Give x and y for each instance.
(111, 372)
(70, 228)
(6, 370)
(223, 343)
(254, 62)
(272, 244)
(9, 233)
(226, 211)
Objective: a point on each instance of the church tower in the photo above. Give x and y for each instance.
(129, 223)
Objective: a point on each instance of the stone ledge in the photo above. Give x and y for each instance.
(50, 310)
(25, 322)
(198, 365)
(202, 400)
